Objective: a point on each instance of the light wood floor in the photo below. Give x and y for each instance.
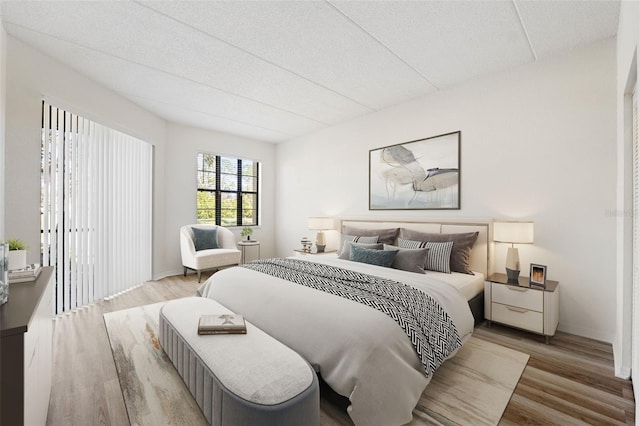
(570, 381)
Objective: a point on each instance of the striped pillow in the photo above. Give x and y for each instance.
(356, 239)
(460, 253)
(439, 256)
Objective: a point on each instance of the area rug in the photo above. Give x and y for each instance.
(153, 391)
(473, 388)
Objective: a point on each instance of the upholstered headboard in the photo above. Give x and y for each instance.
(481, 259)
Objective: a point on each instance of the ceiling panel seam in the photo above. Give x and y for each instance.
(427, 79)
(254, 55)
(524, 29)
(127, 95)
(164, 72)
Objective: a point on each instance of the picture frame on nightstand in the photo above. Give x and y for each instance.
(538, 275)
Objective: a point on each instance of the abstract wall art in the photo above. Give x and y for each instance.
(416, 175)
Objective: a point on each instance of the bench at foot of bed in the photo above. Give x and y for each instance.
(238, 379)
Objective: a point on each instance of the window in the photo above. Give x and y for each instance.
(227, 190)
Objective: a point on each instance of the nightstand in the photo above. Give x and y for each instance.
(520, 305)
(299, 252)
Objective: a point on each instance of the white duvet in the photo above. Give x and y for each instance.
(360, 352)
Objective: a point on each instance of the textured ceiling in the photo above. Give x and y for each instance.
(275, 70)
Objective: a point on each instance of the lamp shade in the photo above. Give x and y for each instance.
(513, 232)
(320, 223)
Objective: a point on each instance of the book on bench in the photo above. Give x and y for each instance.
(222, 324)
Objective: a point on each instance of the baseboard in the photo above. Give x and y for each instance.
(175, 272)
(621, 369)
(166, 274)
(589, 333)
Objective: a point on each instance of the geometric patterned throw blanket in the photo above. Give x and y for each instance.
(429, 327)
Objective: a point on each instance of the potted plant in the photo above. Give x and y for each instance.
(4, 277)
(246, 232)
(17, 254)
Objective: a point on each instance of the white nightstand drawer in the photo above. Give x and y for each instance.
(517, 296)
(517, 317)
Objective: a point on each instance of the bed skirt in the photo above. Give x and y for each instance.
(477, 308)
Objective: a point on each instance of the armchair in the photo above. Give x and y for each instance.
(227, 253)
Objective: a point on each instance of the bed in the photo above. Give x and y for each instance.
(362, 353)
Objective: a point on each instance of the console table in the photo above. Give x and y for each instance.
(26, 333)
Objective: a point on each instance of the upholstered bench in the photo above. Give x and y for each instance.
(238, 379)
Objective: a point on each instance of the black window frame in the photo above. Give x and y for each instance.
(218, 192)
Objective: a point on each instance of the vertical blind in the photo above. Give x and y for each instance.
(96, 208)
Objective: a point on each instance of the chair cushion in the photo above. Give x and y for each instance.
(213, 258)
(205, 239)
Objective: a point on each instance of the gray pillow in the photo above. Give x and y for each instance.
(373, 257)
(439, 256)
(385, 236)
(462, 244)
(412, 260)
(205, 239)
(346, 248)
(355, 238)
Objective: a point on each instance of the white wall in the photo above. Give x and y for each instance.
(627, 71)
(32, 75)
(538, 142)
(183, 145)
(3, 98)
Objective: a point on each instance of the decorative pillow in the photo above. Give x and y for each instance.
(462, 244)
(356, 238)
(205, 239)
(412, 260)
(373, 257)
(385, 236)
(346, 248)
(439, 256)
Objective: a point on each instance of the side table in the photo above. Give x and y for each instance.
(243, 247)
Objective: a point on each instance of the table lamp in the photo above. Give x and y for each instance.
(513, 233)
(320, 224)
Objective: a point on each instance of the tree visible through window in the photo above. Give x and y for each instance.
(227, 190)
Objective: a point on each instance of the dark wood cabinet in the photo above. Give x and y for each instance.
(26, 333)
